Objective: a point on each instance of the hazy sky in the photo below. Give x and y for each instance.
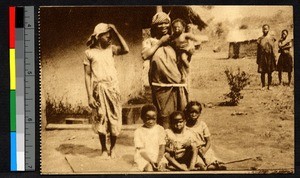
(233, 12)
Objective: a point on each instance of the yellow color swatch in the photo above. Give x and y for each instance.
(12, 66)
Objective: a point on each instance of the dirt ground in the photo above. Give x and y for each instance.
(261, 127)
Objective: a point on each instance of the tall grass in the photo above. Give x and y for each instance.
(59, 108)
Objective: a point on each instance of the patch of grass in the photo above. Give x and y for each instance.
(58, 109)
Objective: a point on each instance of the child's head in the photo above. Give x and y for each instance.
(101, 35)
(193, 110)
(104, 39)
(265, 29)
(178, 26)
(177, 121)
(284, 33)
(149, 115)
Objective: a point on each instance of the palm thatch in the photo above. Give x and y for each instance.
(185, 13)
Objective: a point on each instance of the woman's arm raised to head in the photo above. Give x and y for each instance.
(123, 49)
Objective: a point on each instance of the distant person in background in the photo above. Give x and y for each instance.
(102, 84)
(285, 61)
(266, 56)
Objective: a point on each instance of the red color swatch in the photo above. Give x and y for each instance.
(12, 21)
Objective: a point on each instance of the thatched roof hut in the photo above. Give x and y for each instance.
(242, 42)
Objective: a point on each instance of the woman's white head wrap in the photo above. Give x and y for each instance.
(160, 17)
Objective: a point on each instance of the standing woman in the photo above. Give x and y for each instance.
(169, 92)
(102, 84)
(265, 55)
(285, 61)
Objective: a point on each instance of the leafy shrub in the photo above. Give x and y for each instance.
(219, 29)
(237, 81)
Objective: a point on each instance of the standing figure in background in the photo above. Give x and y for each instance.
(285, 61)
(102, 84)
(169, 92)
(266, 56)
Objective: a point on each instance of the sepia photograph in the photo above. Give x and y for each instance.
(198, 89)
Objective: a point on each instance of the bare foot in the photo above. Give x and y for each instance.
(171, 167)
(200, 167)
(113, 154)
(104, 155)
(193, 169)
(163, 168)
(217, 166)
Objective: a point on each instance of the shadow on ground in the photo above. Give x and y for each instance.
(75, 149)
(126, 139)
(128, 158)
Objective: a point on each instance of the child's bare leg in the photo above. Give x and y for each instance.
(113, 140)
(102, 138)
(185, 59)
(194, 157)
(279, 76)
(175, 163)
(184, 67)
(269, 79)
(289, 78)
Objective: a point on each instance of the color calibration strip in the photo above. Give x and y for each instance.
(12, 66)
(21, 57)
(16, 50)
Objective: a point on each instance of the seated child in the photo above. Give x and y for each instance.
(181, 150)
(182, 44)
(149, 141)
(192, 112)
